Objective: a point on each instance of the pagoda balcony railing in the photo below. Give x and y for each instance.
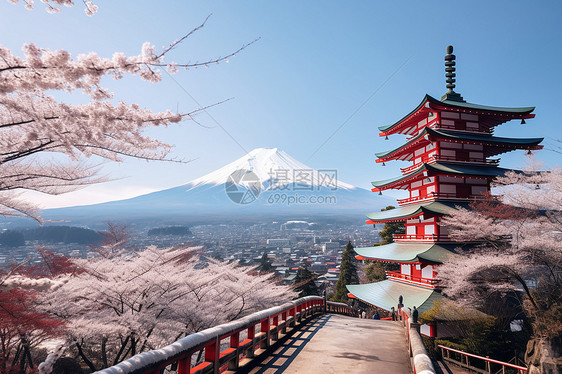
(421, 238)
(494, 161)
(438, 195)
(428, 282)
(434, 158)
(453, 127)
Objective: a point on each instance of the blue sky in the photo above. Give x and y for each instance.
(315, 64)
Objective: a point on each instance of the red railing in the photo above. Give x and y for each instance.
(434, 158)
(439, 195)
(222, 346)
(423, 238)
(469, 160)
(411, 279)
(420, 360)
(339, 308)
(464, 361)
(453, 127)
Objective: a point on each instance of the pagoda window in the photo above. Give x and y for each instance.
(479, 190)
(448, 153)
(416, 184)
(477, 181)
(476, 156)
(405, 269)
(474, 147)
(445, 178)
(430, 189)
(448, 188)
(472, 125)
(469, 117)
(429, 229)
(448, 122)
(451, 145)
(427, 271)
(453, 115)
(411, 230)
(414, 193)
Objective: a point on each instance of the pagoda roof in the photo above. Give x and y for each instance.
(442, 168)
(408, 252)
(429, 103)
(408, 211)
(384, 294)
(465, 137)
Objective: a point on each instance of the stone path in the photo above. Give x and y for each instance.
(339, 344)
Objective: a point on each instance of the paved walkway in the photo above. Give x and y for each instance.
(339, 344)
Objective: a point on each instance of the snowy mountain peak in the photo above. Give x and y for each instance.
(273, 167)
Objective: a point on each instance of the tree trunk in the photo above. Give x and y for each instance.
(543, 356)
(86, 360)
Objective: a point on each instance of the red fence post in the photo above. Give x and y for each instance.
(235, 343)
(275, 335)
(184, 365)
(212, 353)
(284, 318)
(251, 335)
(265, 329)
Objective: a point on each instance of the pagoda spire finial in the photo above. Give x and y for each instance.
(450, 75)
(450, 69)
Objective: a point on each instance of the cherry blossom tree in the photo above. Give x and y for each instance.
(35, 122)
(22, 325)
(53, 6)
(520, 249)
(133, 301)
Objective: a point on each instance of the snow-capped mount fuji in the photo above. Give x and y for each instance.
(273, 167)
(277, 186)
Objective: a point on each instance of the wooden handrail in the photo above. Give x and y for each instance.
(424, 237)
(520, 369)
(398, 275)
(262, 329)
(439, 195)
(421, 363)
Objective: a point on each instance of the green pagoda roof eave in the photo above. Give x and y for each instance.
(461, 105)
(408, 252)
(446, 168)
(405, 212)
(455, 135)
(385, 295)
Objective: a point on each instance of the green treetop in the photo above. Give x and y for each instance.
(304, 282)
(348, 274)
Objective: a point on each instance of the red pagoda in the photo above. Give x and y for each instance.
(451, 146)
